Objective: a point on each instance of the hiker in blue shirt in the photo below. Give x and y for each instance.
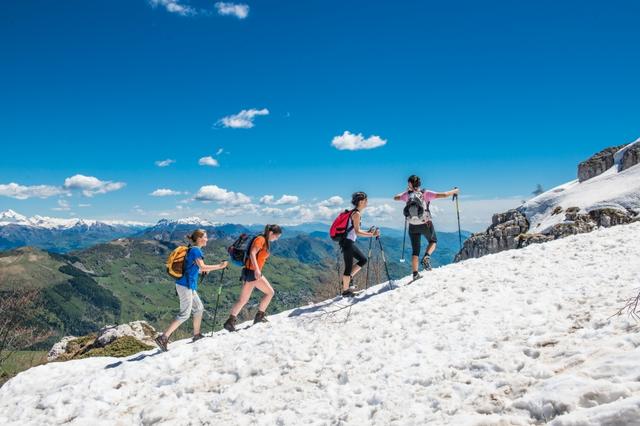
(186, 287)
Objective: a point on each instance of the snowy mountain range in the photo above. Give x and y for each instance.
(11, 217)
(515, 338)
(59, 235)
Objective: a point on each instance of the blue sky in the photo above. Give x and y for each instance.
(493, 97)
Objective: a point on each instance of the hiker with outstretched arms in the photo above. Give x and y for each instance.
(418, 217)
(348, 245)
(187, 286)
(251, 276)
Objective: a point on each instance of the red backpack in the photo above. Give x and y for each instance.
(341, 226)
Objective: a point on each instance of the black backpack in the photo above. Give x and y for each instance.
(416, 207)
(239, 250)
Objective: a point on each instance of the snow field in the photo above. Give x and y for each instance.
(516, 338)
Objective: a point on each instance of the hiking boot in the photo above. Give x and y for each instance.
(348, 293)
(230, 323)
(416, 275)
(162, 341)
(260, 317)
(352, 285)
(426, 262)
(196, 337)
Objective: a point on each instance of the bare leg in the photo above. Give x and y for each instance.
(431, 249)
(346, 279)
(197, 321)
(245, 294)
(172, 327)
(263, 285)
(414, 263)
(345, 282)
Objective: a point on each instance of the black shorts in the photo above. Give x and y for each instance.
(247, 275)
(417, 231)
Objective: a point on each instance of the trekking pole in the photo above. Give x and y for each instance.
(384, 260)
(404, 239)
(366, 281)
(455, 198)
(215, 311)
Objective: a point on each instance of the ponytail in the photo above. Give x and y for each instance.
(193, 238)
(271, 229)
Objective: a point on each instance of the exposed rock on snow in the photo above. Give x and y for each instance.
(517, 338)
(600, 198)
(59, 348)
(598, 163)
(140, 330)
(120, 340)
(631, 156)
(503, 234)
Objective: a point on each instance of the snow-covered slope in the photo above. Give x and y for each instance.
(613, 189)
(516, 338)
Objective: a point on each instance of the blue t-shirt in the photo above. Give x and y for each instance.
(189, 278)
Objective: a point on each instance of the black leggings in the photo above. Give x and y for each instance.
(415, 234)
(351, 250)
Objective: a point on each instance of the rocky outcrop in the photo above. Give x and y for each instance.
(597, 163)
(509, 230)
(121, 340)
(137, 329)
(501, 235)
(631, 157)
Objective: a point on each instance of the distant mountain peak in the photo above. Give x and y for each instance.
(12, 216)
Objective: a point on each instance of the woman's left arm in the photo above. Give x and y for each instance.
(447, 194)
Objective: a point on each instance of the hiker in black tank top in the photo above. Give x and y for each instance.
(348, 244)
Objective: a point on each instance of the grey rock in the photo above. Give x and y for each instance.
(597, 163)
(631, 157)
(141, 330)
(59, 348)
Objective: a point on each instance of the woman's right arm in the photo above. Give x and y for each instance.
(356, 227)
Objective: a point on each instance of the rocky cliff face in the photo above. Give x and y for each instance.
(501, 235)
(597, 163)
(512, 229)
(631, 156)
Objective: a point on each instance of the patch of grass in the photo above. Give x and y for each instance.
(121, 347)
(21, 361)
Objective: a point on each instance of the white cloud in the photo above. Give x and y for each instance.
(273, 211)
(84, 205)
(163, 192)
(63, 206)
(285, 199)
(246, 210)
(332, 201)
(240, 11)
(174, 6)
(208, 161)
(90, 185)
(219, 151)
(350, 142)
(300, 213)
(165, 163)
(221, 195)
(243, 119)
(384, 211)
(22, 192)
